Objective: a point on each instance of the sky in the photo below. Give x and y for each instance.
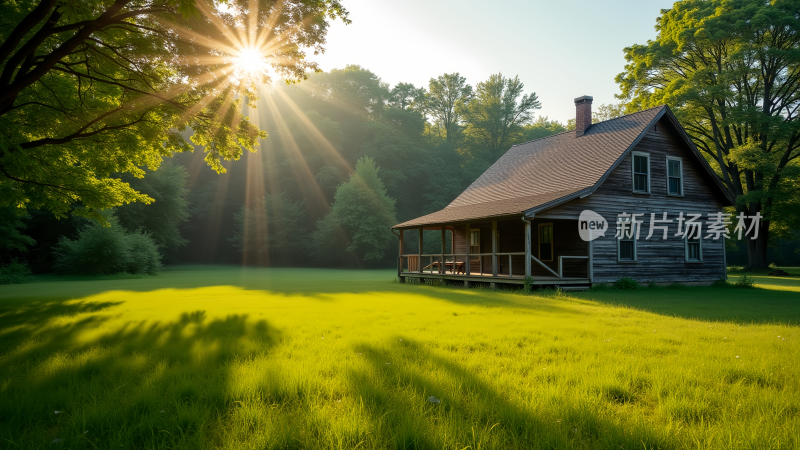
(560, 49)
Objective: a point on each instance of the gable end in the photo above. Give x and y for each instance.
(666, 116)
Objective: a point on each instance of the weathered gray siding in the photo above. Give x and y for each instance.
(658, 260)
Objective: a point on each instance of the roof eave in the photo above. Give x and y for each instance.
(462, 221)
(559, 201)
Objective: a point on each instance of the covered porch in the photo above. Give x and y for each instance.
(505, 250)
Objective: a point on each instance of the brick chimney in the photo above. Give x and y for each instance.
(583, 115)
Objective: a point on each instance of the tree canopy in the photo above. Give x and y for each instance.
(445, 93)
(360, 218)
(11, 236)
(90, 88)
(497, 112)
(731, 71)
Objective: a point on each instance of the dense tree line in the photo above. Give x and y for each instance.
(307, 183)
(346, 157)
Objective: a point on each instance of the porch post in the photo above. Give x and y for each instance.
(527, 248)
(466, 263)
(494, 248)
(442, 267)
(420, 250)
(400, 259)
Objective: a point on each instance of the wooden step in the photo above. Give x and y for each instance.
(575, 288)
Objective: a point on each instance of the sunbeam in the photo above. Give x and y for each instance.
(314, 133)
(312, 194)
(254, 203)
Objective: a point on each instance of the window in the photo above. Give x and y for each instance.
(474, 241)
(626, 243)
(674, 176)
(694, 244)
(545, 242)
(641, 172)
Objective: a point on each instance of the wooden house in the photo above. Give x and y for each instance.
(521, 217)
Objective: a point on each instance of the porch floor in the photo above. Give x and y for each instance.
(488, 278)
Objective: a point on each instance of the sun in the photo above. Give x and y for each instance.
(250, 61)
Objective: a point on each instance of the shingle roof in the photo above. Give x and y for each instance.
(541, 171)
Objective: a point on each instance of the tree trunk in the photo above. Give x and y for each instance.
(757, 249)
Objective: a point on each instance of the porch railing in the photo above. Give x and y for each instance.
(561, 264)
(455, 263)
(510, 262)
(560, 273)
(432, 263)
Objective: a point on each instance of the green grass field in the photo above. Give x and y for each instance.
(220, 357)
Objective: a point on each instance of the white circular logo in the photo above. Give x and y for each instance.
(591, 225)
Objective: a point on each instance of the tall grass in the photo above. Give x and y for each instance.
(281, 358)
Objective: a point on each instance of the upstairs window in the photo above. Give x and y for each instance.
(641, 172)
(674, 176)
(474, 241)
(694, 244)
(545, 242)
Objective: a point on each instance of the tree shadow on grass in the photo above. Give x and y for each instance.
(87, 384)
(724, 304)
(18, 321)
(396, 388)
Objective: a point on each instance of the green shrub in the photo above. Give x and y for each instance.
(100, 250)
(528, 286)
(15, 273)
(601, 287)
(745, 282)
(626, 284)
(143, 254)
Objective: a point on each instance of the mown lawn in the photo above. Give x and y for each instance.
(219, 357)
